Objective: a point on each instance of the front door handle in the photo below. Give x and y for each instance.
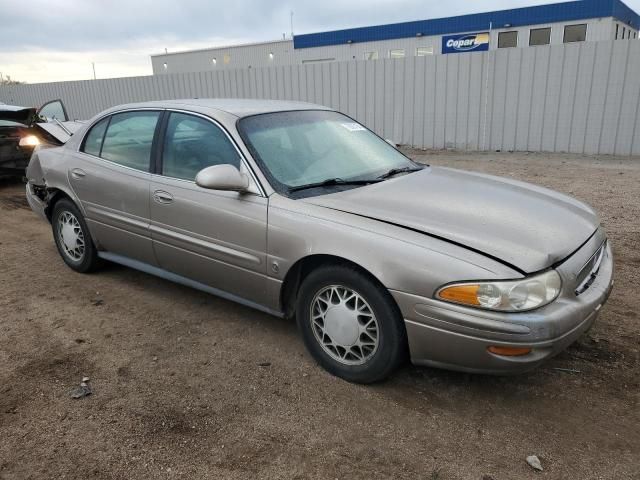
(78, 173)
(160, 196)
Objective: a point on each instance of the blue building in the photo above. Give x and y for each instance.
(569, 22)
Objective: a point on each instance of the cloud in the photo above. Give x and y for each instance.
(42, 40)
(35, 65)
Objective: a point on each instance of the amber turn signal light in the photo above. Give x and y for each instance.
(466, 294)
(509, 351)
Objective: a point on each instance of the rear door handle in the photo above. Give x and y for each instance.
(78, 173)
(160, 196)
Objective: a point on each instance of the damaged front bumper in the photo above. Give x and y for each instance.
(458, 338)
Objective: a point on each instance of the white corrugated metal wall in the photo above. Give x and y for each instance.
(257, 55)
(580, 98)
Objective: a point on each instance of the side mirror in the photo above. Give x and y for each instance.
(222, 177)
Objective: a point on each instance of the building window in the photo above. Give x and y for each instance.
(577, 33)
(629, 34)
(507, 39)
(318, 60)
(397, 53)
(226, 59)
(617, 30)
(424, 51)
(539, 36)
(271, 56)
(165, 65)
(214, 61)
(371, 55)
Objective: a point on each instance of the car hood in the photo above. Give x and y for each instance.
(23, 115)
(523, 225)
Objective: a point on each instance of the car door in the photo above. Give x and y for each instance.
(54, 110)
(110, 174)
(216, 238)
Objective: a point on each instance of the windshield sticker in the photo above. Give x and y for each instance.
(353, 127)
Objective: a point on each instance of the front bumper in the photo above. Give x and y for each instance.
(456, 337)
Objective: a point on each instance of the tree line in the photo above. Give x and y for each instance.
(7, 80)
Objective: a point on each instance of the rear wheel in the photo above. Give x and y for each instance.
(72, 237)
(350, 324)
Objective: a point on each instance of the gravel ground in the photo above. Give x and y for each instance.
(186, 385)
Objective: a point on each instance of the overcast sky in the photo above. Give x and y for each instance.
(47, 40)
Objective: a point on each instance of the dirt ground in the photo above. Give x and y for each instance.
(186, 385)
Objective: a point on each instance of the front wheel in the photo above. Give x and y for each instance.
(350, 324)
(72, 237)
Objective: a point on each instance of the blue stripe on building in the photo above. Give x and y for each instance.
(517, 17)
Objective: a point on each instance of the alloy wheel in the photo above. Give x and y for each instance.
(344, 325)
(71, 236)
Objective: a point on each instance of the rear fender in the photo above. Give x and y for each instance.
(49, 185)
(34, 172)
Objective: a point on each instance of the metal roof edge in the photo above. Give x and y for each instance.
(533, 15)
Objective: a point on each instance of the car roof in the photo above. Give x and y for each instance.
(233, 106)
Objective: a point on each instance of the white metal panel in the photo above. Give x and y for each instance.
(628, 120)
(567, 101)
(513, 86)
(451, 94)
(440, 117)
(583, 88)
(614, 99)
(582, 98)
(597, 99)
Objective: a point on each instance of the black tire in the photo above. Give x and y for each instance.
(391, 348)
(88, 261)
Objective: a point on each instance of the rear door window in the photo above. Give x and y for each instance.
(93, 141)
(129, 139)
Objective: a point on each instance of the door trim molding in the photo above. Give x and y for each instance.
(125, 221)
(190, 239)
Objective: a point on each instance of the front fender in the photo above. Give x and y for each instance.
(401, 259)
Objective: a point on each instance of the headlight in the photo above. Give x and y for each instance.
(29, 141)
(505, 296)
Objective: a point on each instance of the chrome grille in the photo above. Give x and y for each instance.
(589, 271)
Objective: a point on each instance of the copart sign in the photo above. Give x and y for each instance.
(468, 42)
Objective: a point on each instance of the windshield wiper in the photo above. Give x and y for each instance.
(331, 182)
(396, 171)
